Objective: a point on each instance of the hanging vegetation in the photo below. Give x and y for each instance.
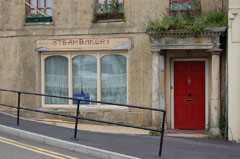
(192, 22)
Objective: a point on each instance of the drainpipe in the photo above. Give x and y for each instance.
(222, 5)
(226, 109)
(227, 4)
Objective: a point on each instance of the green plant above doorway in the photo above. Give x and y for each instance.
(192, 22)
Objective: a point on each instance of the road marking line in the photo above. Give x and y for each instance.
(30, 149)
(35, 149)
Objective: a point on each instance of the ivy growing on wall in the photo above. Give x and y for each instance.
(192, 22)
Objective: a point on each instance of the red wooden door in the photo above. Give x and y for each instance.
(189, 94)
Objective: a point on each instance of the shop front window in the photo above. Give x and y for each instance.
(114, 79)
(94, 77)
(56, 79)
(85, 76)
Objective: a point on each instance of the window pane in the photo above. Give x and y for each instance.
(41, 11)
(49, 3)
(185, 5)
(33, 3)
(120, 1)
(49, 12)
(34, 12)
(101, 1)
(101, 9)
(195, 4)
(40, 3)
(175, 5)
(109, 1)
(56, 79)
(114, 79)
(85, 76)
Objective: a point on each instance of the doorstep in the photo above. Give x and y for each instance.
(186, 133)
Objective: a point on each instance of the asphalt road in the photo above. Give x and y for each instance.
(17, 148)
(142, 146)
(187, 148)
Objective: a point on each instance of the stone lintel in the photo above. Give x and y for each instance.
(209, 31)
(184, 46)
(180, 40)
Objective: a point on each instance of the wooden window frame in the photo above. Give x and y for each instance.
(38, 8)
(106, 1)
(70, 57)
(181, 1)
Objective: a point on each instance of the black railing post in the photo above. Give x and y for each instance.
(76, 122)
(162, 133)
(18, 107)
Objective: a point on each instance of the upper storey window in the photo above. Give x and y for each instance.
(183, 5)
(109, 9)
(39, 11)
(110, 5)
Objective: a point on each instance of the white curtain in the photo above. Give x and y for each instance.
(56, 79)
(85, 75)
(114, 79)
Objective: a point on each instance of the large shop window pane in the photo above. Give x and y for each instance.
(56, 79)
(85, 76)
(114, 79)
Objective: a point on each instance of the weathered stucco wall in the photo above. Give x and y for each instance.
(19, 72)
(73, 19)
(79, 14)
(233, 71)
(208, 6)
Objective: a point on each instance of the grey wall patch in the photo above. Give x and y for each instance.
(127, 46)
(39, 49)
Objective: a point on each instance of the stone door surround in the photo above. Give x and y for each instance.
(208, 40)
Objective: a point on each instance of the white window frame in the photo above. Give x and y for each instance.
(70, 56)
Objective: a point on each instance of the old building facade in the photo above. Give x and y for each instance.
(75, 52)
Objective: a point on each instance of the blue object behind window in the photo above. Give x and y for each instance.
(81, 96)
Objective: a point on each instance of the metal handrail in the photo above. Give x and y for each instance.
(18, 107)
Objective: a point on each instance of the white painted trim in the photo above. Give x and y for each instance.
(206, 88)
(172, 94)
